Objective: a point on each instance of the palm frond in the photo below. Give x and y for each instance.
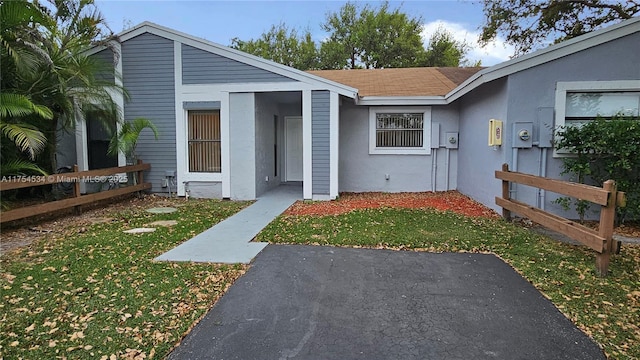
(16, 105)
(126, 139)
(26, 137)
(19, 167)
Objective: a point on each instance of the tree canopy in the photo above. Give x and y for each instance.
(282, 45)
(373, 38)
(359, 37)
(444, 50)
(530, 24)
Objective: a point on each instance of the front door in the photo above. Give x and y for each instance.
(293, 148)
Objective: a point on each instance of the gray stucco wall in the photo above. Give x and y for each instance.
(320, 142)
(265, 139)
(533, 90)
(148, 76)
(359, 171)
(205, 189)
(476, 160)
(202, 67)
(242, 152)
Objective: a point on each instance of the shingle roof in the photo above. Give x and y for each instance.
(426, 81)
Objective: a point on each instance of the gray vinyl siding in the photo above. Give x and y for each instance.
(107, 70)
(148, 76)
(202, 67)
(320, 142)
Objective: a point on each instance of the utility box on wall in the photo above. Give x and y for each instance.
(451, 140)
(522, 135)
(495, 132)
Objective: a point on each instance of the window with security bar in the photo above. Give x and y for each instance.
(204, 152)
(399, 130)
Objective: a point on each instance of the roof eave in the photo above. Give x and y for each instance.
(401, 100)
(234, 54)
(542, 56)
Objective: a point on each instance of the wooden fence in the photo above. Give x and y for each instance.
(77, 199)
(601, 241)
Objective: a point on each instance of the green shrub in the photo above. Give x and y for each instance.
(605, 149)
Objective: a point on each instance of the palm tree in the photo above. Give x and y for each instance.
(21, 55)
(125, 140)
(69, 83)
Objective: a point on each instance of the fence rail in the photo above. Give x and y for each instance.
(607, 197)
(75, 177)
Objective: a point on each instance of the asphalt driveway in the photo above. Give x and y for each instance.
(314, 302)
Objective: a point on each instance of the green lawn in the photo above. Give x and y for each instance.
(98, 293)
(608, 309)
(95, 294)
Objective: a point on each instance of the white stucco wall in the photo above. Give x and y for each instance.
(242, 122)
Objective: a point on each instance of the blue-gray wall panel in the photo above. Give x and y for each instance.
(360, 171)
(202, 67)
(320, 150)
(148, 76)
(107, 71)
(529, 96)
(476, 160)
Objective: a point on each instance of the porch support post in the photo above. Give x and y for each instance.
(119, 97)
(307, 186)
(181, 121)
(225, 145)
(334, 116)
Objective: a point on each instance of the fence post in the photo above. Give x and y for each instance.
(139, 176)
(605, 228)
(76, 190)
(506, 214)
(139, 173)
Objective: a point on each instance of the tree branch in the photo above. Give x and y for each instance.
(598, 5)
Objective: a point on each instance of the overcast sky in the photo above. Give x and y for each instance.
(221, 21)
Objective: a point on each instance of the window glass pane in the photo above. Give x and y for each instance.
(397, 130)
(592, 104)
(204, 141)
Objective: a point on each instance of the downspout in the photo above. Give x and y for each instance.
(446, 168)
(514, 165)
(434, 168)
(543, 173)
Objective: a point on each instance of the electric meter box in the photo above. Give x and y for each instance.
(522, 134)
(451, 140)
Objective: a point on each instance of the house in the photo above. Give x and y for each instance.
(233, 125)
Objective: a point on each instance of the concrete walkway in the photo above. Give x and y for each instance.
(229, 240)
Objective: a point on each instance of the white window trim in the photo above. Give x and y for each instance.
(426, 131)
(195, 176)
(562, 87)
